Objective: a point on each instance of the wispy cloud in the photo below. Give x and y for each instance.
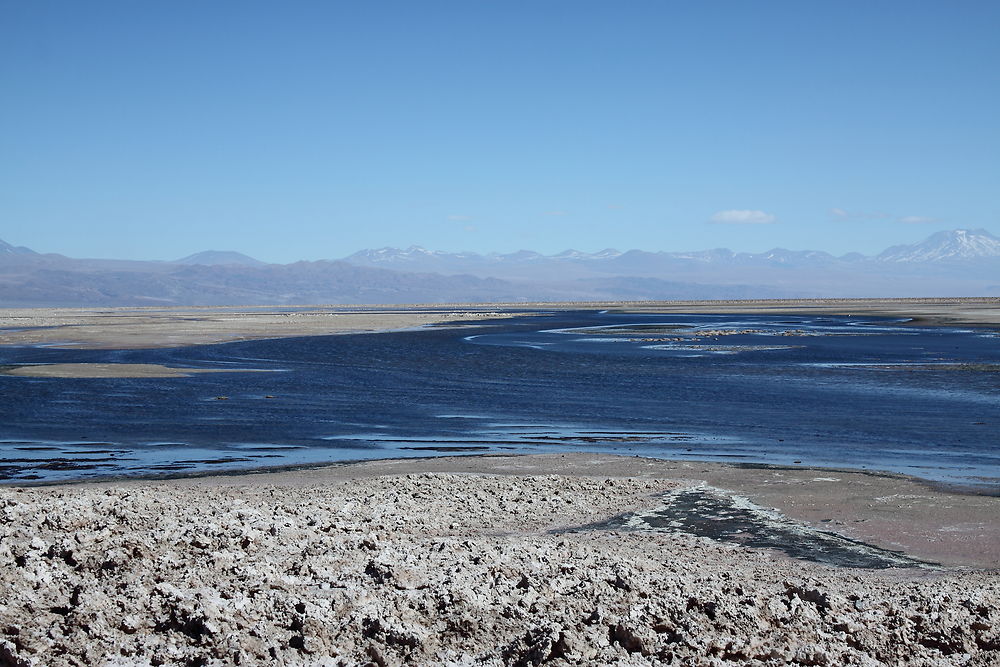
(556, 213)
(743, 217)
(917, 220)
(460, 218)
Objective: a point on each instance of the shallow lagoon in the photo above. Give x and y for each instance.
(776, 389)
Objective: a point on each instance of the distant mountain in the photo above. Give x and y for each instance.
(434, 260)
(418, 258)
(572, 262)
(8, 249)
(412, 255)
(955, 263)
(607, 253)
(958, 244)
(219, 258)
(79, 283)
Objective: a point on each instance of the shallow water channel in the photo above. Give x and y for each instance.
(851, 392)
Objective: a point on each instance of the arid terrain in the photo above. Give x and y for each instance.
(475, 560)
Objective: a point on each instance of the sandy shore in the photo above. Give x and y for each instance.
(476, 560)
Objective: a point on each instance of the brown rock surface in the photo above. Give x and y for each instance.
(441, 568)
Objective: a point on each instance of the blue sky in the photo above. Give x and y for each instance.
(308, 130)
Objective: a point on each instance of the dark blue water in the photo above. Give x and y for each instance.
(819, 391)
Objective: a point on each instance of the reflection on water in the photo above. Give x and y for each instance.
(826, 391)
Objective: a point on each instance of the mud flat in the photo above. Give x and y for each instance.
(487, 560)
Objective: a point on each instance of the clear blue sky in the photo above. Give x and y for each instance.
(291, 130)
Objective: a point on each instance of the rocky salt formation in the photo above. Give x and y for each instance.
(442, 569)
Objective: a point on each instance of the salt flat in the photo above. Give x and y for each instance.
(360, 564)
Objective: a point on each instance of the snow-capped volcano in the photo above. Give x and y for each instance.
(957, 244)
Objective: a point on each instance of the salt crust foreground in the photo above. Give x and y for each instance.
(442, 569)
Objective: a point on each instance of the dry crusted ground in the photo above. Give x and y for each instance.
(442, 569)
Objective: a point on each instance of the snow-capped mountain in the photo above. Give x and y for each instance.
(948, 246)
(959, 262)
(783, 256)
(958, 244)
(607, 253)
(409, 255)
(418, 254)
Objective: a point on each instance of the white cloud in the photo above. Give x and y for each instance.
(917, 220)
(555, 213)
(460, 218)
(839, 213)
(743, 217)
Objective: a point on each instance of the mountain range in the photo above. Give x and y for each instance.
(957, 245)
(948, 263)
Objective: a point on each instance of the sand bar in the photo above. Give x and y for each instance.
(112, 370)
(475, 560)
